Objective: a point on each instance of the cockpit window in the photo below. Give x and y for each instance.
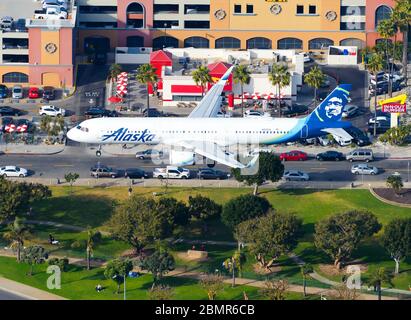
(84, 129)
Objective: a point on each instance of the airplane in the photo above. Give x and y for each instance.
(207, 135)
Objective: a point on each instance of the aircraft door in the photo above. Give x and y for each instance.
(304, 132)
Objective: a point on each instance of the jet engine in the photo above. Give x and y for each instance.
(182, 158)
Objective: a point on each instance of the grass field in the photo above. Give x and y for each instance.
(92, 207)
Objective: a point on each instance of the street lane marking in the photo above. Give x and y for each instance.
(63, 165)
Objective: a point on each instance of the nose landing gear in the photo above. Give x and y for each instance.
(98, 152)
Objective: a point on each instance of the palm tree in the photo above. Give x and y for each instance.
(17, 234)
(314, 78)
(387, 30)
(375, 65)
(280, 77)
(242, 75)
(146, 74)
(402, 16)
(115, 70)
(306, 269)
(92, 239)
(377, 278)
(202, 77)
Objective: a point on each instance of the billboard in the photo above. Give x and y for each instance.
(394, 107)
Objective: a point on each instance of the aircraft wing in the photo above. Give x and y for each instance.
(338, 132)
(210, 104)
(214, 152)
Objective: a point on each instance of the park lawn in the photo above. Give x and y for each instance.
(79, 283)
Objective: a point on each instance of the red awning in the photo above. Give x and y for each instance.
(186, 89)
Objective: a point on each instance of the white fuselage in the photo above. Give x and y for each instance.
(222, 131)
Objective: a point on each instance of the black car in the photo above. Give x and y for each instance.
(359, 137)
(330, 156)
(208, 173)
(96, 112)
(100, 59)
(4, 91)
(135, 173)
(48, 93)
(295, 110)
(9, 111)
(152, 113)
(382, 127)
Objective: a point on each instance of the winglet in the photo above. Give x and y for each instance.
(227, 74)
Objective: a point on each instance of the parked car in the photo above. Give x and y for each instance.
(17, 92)
(360, 155)
(381, 127)
(363, 168)
(324, 141)
(52, 111)
(9, 111)
(4, 91)
(24, 125)
(6, 23)
(294, 155)
(34, 93)
(13, 171)
(103, 172)
(306, 142)
(350, 110)
(295, 175)
(208, 173)
(135, 173)
(96, 112)
(294, 110)
(149, 154)
(255, 114)
(359, 137)
(330, 156)
(379, 118)
(48, 93)
(343, 142)
(152, 113)
(171, 172)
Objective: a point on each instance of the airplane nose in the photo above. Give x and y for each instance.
(72, 134)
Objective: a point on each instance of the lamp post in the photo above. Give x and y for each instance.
(165, 35)
(125, 297)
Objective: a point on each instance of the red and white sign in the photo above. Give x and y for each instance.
(22, 128)
(394, 107)
(10, 127)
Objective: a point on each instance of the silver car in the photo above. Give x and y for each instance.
(364, 168)
(17, 92)
(295, 175)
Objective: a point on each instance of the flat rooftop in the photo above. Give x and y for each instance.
(18, 9)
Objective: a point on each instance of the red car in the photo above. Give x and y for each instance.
(34, 93)
(294, 155)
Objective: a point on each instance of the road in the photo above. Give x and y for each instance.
(5, 295)
(80, 159)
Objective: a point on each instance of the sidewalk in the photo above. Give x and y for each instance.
(23, 149)
(27, 292)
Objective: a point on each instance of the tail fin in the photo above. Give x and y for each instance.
(331, 108)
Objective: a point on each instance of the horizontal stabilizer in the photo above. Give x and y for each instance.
(338, 132)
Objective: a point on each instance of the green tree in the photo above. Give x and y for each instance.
(16, 197)
(243, 208)
(62, 263)
(396, 135)
(306, 270)
(269, 168)
(395, 182)
(202, 77)
(375, 65)
(280, 77)
(159, 263)
(339, 235)
(71, 178)
(402, 18)
(18, 233)
(160, 292)
(314, 78)
(268, 237)
(93, 238)
(146, 74)
(176, 212)
(397, 240)
(117, 269)
(33, 255)
(242, 76)
(139, 222)
(114, 71)
(203, 209)
(212, 284)
(52, 126)
(377, 278)
(235, 264)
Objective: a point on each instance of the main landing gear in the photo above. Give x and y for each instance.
(98, 152)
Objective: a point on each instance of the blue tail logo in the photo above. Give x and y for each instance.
(331, 109)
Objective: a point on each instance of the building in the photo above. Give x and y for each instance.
(270, 24)
(36, 52)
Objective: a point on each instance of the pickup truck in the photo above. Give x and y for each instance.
(171, 172)
(50, 13)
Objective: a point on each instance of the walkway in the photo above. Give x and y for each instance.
(25, 291)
